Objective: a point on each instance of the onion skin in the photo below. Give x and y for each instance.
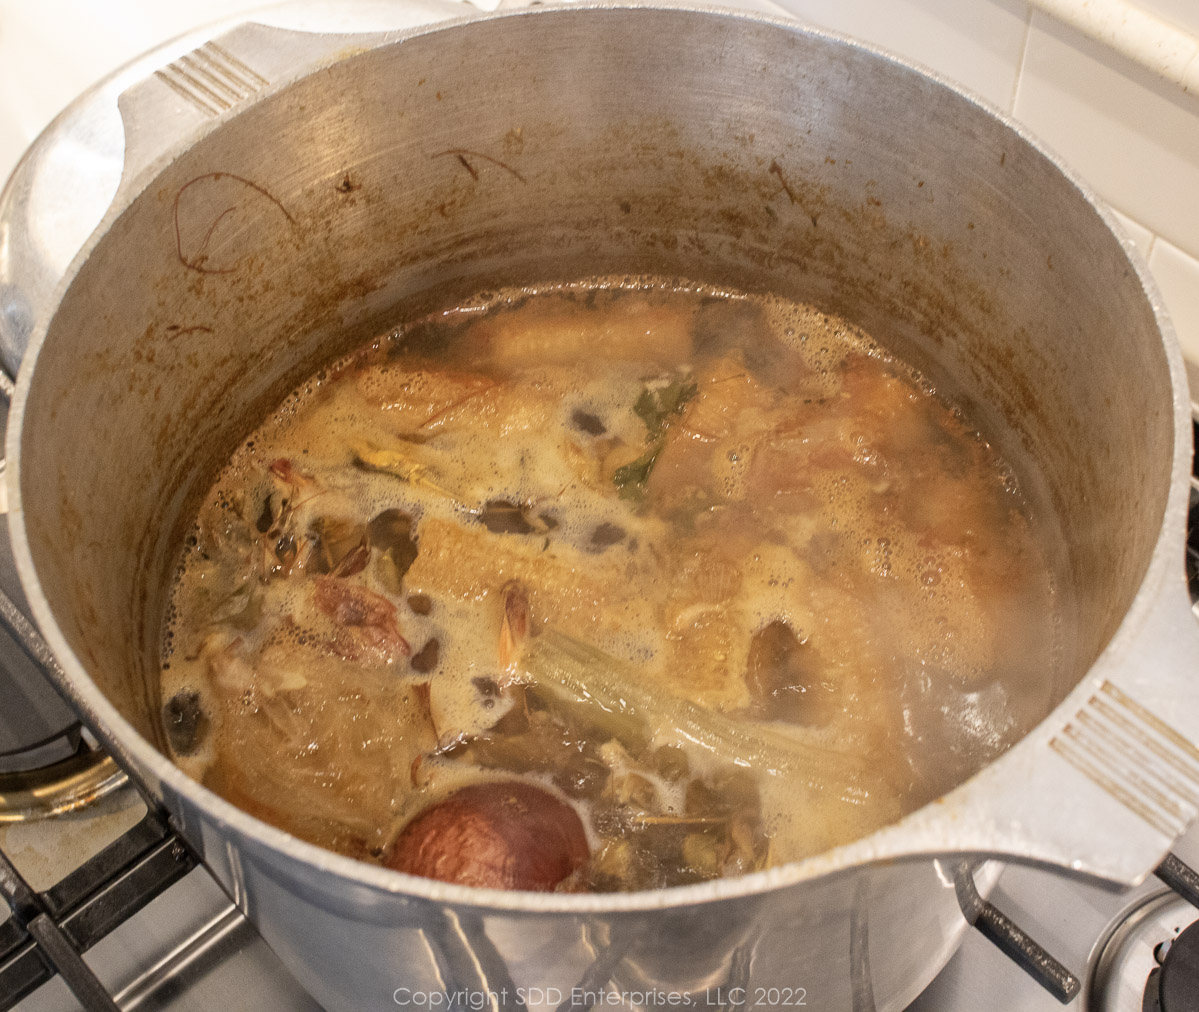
(505, 835)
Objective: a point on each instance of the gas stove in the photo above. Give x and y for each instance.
(90, 865)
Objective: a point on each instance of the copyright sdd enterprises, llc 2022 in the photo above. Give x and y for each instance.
(728, 998)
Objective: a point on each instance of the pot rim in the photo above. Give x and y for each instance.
(886, 843)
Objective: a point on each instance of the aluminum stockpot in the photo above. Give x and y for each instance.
(345, 181)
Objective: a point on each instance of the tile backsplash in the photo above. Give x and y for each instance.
(1183, 13)
(1133, 136)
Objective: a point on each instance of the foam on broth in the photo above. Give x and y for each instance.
(749, 502)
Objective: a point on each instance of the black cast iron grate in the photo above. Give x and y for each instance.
(49, 931)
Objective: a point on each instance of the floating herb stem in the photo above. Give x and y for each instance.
(578, 671)
(400, 465)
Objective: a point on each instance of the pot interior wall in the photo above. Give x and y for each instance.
(554, 145)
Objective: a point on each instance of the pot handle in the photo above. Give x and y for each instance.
(185, 96)
(1106, 785)
(97, 151)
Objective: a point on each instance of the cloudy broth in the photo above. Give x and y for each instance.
(756, 514)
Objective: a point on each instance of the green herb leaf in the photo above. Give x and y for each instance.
(655, 407)
(632, 478)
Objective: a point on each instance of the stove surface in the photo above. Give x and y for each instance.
(1072, 919)
(190, 950)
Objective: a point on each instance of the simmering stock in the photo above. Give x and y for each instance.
(813, 593)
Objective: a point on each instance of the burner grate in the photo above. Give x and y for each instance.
(50, 930)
